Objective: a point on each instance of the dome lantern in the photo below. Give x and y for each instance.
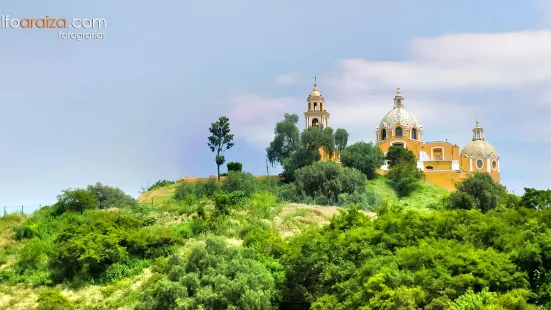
(399, 116)
(479, 146)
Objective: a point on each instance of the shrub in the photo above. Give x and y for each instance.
(235, 166)
(87, 248)
(367, 201)
(405, 176)
(192, 190)
(485, 193)
(184, 190)
(214, 276)
(327, 180)
(110, 197)
(244, 182)
(289, 192)
(222, 203)
(54, 300)
(77, 200)
(148, 242)
(262, 204)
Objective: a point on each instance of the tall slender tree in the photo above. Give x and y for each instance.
(286, 140)
(220, 140)
(341, 139)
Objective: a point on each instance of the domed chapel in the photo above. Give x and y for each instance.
(443, 163)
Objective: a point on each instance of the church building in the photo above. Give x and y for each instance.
(443, 163)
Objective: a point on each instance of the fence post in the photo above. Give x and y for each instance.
(22, 210)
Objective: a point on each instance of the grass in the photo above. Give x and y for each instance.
(428, 196)
(159, 207)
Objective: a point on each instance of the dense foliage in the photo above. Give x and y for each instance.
(366, 157)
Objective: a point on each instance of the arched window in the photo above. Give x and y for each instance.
(414, 134)
(315, 106)
(315, 122)
(494, 165)
(383, 134)
(398, 131)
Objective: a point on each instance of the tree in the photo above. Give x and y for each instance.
(536, 199)
(483, 189)
(77, 200)
(316, 136)
(235, 166)
(396, 154)
(327, 180)
(220, 140)
(366, 157)
(109, 197)
(403, 171)
(286, 140)
(300, 158)
(341, 139)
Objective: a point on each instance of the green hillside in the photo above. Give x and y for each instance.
(195, 244)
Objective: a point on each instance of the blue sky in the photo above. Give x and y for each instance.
(136, 106)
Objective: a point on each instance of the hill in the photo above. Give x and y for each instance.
(199, 244)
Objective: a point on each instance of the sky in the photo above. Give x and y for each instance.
(135, 106)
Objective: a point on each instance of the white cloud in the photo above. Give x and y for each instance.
(286, 79)
(502, 79)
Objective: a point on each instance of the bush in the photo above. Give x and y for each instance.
(235, 166)
(194, 190)
(54, 300)
(110, 197)
(367, 201)
(148, 241)
(214, 276)
(262, 204)
(87, 248)
(184, 190)
(484, 192)
(327, 180)
(77, 200)
(244, 182)
(404, 173)
(222, 203)
(288, 192)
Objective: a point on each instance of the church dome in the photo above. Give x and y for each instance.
(479, 146)
(399, 115)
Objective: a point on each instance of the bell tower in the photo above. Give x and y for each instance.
(316, 114)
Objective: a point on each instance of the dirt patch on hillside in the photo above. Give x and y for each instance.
(296, 217)
(325, 211)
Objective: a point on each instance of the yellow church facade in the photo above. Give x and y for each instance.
(442, 162)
